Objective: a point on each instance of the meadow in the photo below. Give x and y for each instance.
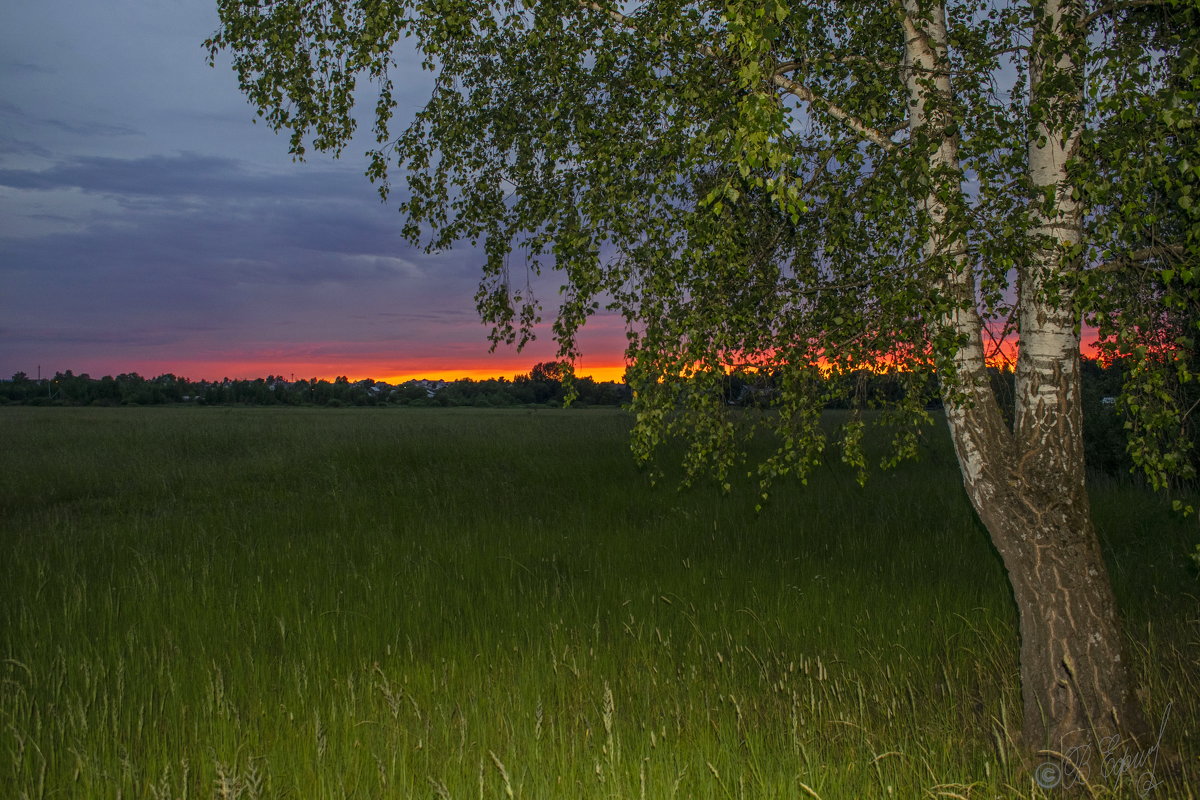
(457, 603)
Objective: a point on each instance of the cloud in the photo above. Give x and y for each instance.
(384, 265)
(143, 217)
(181, 175)
(23, 67)
(141, 336)
(184, 261)
(234, 244)
(82, 128)
(11, 145)
(208, 211)
(89, 128)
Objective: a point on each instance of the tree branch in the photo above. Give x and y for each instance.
(795, 65)
(791, 66)
(1165, 251)
(802, 92)
(1118, 5)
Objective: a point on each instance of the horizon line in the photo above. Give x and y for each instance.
(600, 374)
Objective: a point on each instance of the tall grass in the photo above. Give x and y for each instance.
(283, 603)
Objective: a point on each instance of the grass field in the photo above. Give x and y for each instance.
(410, 603)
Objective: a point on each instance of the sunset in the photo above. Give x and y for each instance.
(812, 476)
(146, 225)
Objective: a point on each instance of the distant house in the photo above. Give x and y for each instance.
(431, 387)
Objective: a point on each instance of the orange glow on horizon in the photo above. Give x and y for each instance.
(355, 369)
(598, 374)
(1004, 355)
(328, 362)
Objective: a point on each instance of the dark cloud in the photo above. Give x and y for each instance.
(140, 336)
(185, 174)
(428, 317)
(213, 253)
(142, 216)
(23, 68)
(11, 145)
(216, 217)
(83, 128)
(89, 128)
(280, 242)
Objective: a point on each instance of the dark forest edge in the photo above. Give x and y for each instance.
(543, 386)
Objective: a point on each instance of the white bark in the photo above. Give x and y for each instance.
(1048, 360)
(930, 113)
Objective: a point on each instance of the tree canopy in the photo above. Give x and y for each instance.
(745, 182)
(802, 190)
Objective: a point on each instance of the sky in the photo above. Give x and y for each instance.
(147, 225)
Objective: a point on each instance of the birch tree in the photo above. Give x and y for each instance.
(799, 189)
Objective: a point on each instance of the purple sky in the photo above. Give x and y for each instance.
(147, 225)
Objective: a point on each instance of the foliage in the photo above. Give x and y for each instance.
(1142, 179)
(744, 181)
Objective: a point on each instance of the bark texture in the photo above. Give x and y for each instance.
(1027, 482)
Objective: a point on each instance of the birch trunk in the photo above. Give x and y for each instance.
(1027, 482)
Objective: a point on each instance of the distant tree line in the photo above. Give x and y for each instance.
(544, 385)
